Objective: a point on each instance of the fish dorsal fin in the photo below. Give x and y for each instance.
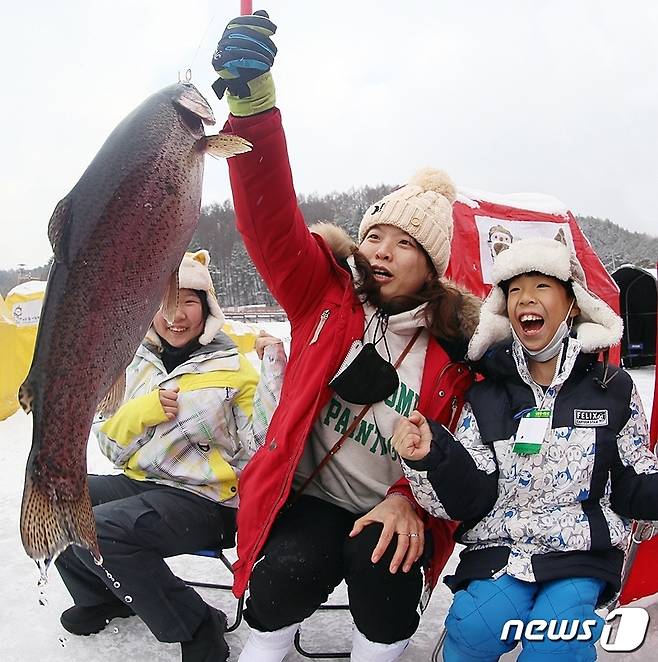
(224, 145)
(170, 301)
(57, 227)
(112, 401)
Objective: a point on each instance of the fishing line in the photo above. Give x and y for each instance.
(188, 71)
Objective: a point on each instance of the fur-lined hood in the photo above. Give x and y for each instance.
(343, 246)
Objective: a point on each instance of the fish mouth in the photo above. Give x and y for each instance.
(531, 323)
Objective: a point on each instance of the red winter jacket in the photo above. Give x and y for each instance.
(325, 318)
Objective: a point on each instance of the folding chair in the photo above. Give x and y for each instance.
(320, 655)
(314, 655)
(237, 620)
(219, 554)
(641, 531)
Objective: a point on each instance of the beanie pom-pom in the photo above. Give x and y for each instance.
(431, 179)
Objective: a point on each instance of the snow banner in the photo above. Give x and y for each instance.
(8, 401)
(18, 331)
(486, 223)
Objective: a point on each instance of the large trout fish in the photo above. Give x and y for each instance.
(118, 238)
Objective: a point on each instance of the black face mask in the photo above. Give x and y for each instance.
(365, 377)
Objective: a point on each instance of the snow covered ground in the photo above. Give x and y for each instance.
(31, 631)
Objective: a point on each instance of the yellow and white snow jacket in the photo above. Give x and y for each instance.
(205, 447)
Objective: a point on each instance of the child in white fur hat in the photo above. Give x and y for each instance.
(547, 468)
(180, 439)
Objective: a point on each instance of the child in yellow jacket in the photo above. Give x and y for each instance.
(180, 439)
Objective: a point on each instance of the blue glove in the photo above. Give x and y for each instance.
(244, 53)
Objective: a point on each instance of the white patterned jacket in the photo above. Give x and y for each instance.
(564, 511)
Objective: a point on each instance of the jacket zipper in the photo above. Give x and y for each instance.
(454, 401)
(453, 410)
(324, 316)
(279, 502)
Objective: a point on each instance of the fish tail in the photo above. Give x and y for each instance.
(49, 525)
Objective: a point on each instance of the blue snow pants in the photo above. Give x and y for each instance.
(478, 614)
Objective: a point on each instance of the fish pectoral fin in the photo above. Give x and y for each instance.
(224, 145)
(112, 401)
(57, 226)
(170, 301)
(26, 397)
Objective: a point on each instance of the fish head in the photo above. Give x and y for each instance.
(191, 106)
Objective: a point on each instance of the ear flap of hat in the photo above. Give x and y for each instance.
(493, 326)
(597, 326)
(215, 320)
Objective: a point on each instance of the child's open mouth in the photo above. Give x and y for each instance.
(531, 323)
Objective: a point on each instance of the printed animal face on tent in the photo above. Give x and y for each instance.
(487, 223)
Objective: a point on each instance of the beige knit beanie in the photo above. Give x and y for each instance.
(423, 209)
(193, 274)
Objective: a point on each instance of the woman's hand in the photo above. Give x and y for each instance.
(412, 437)
(399, 517)
(169, 402)
(263, 340)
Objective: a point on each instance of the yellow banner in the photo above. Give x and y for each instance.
(19, 319)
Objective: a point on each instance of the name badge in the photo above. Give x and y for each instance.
(531, 431)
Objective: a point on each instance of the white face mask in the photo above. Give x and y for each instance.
(554, 344)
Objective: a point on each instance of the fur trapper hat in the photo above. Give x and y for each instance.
(597, 326)
(423, 209)
(193, 274)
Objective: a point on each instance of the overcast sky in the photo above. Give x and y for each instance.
(556, 97)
